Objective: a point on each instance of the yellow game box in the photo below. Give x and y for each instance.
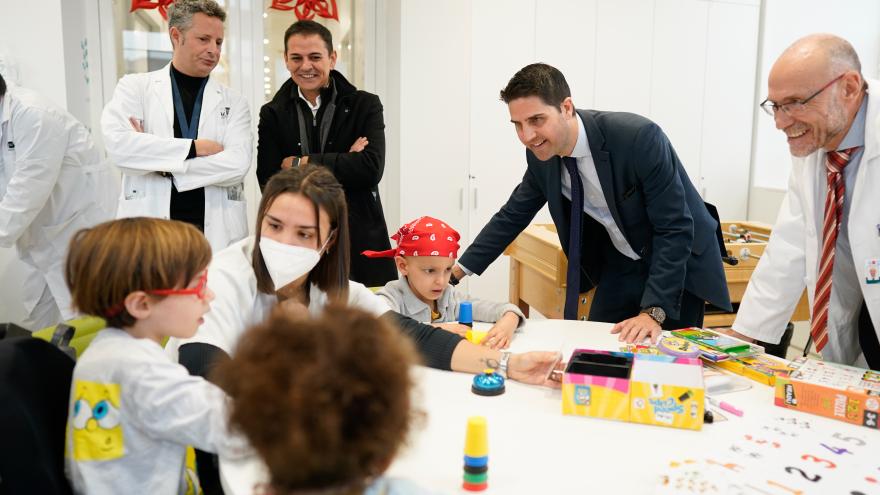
(763, 368)
(833, 390)
(641, 388)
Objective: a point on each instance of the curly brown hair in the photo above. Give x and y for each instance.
(325, 402)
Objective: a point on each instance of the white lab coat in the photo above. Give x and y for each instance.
(53, 182)
(153, 409)
(238, 305)
(225, 118)
(791, 260)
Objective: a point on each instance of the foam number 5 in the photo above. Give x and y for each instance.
(857, 441)
(828, 463)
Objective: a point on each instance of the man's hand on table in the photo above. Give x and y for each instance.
(637, 329)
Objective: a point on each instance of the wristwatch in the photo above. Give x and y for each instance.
(453, 280)
(502, 364)
(656, 313)
(296, 161)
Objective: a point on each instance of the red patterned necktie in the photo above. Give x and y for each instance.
(835, 162)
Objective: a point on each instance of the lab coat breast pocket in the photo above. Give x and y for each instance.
(133, 198)
(235, 212)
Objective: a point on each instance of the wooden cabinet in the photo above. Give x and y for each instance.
(537, 273)
(746, 241)
(538, 266)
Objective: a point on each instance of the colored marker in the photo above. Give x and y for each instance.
(724, 406)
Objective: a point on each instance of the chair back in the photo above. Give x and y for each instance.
(35, 381)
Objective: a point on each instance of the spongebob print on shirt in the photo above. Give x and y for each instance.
(96, 429)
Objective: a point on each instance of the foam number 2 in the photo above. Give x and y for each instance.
(792, 469)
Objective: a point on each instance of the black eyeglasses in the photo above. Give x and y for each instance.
(794, 107)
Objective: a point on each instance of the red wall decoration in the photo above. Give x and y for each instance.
(308, 9)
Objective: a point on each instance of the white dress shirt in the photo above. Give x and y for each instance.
(594, 200)
(314, 108)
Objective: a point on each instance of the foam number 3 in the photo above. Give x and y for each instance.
(792, 469)
(828, 463)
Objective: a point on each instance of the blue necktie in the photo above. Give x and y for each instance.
(573, 275)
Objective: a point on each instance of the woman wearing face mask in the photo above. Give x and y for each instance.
(299, 258)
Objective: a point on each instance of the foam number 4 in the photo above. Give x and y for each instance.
(828, 463)
(836, 450)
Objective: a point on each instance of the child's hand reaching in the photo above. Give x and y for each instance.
(456, 328)
(501, 333)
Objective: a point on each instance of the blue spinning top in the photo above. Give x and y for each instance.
(488, 383)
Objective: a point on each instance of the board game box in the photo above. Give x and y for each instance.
(762, 368)
(833, 390)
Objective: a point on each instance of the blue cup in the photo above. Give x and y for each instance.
(466, 313)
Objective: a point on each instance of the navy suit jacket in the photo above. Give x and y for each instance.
(652, 201)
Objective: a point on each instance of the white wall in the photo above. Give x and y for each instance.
(36, 44)
(784, 21)
(687, 64)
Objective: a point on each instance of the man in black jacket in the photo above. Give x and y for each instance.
(318, 116)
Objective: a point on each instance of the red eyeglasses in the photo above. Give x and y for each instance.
(199, 290)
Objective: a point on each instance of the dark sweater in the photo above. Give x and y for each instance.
(188, 206)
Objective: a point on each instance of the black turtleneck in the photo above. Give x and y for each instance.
(188, 206)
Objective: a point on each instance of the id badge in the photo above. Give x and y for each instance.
(872, 271)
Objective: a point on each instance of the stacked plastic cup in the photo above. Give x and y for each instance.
(476, 455)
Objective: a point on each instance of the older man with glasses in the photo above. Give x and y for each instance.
(827, 236)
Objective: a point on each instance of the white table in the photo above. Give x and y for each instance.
(533, 447)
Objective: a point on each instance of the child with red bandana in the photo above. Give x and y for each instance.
(425, 254)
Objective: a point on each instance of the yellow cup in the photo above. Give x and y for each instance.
(476, 440)
(476, 336)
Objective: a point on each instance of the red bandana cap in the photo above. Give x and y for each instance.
(424, 236)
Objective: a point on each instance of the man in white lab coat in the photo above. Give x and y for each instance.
(827, 236)
(52, 183)
(183, 141)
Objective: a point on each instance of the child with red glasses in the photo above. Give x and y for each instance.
(425, 254)
(133, 410)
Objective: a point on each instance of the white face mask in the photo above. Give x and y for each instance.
(287, 263)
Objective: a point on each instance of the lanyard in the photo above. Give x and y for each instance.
(191, 130)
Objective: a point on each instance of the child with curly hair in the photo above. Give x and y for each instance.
(325, 402)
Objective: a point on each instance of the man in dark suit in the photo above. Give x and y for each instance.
(641, 233)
